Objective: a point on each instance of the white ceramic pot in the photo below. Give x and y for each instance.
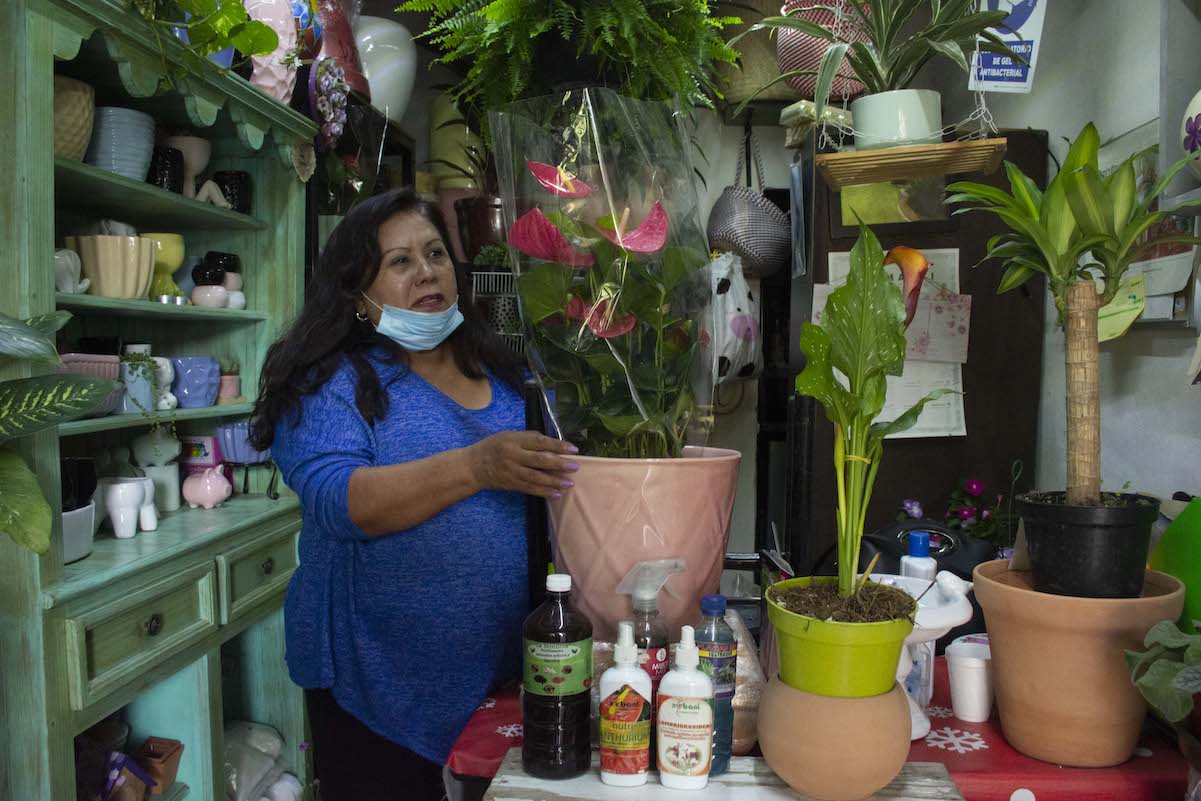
(1190, 132)
(389, 59)
(271, 74)
(123, 501)
(214, 297)
(78, 532)
(901, 117)
(235, 300)
(166, 485)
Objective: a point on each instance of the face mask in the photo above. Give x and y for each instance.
(417, 330)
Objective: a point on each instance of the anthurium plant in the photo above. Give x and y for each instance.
(849, 355)
(1082, 232)
(30, 405)
(607, 241)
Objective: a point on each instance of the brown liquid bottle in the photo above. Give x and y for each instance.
(556, 707)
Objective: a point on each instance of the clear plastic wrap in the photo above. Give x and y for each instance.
(748, 688)
(253, 761)
(607, 241)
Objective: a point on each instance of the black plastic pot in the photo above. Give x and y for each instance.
(1088, 551)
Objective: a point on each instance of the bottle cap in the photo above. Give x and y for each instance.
(645, 579)
(625, 652)
(558, 582)
(713, 605)
(687, 656)
(919, 543)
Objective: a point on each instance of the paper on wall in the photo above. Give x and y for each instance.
(942, 417)
(1119, 314)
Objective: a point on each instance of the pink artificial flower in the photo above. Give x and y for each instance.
(974, 486)
(558, 181)
(594, 317)
(649, 237)
(967, 513)
(535, 235)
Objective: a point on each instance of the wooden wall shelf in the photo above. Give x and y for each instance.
(855, 167)
(114, 422)
(152, 310)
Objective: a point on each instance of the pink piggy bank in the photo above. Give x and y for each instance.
(207, 489)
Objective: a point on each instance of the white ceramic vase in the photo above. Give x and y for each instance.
(1190, 132)
(389, 59)
(901, 117)
(124, 499)
(166, 485)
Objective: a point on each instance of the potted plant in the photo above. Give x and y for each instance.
(230, 387)
(1168, 675)
(30, 405)
(840, 639)
(885, 53)
(1082, 542)
(606, 239)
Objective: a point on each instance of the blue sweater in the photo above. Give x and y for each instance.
(410, 630)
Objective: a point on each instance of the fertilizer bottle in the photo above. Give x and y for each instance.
(718, 649)
(685, 723)
(625, 715)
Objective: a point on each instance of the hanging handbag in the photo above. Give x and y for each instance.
(745, 222)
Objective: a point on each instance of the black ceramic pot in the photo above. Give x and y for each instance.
(166, 169)
(211, 271)
(78, 478)
(235, 185)
(1088, 551)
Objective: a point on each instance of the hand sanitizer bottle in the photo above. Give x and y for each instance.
(919, 563)
(685, 720)
(625, 715)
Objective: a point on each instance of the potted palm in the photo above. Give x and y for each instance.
(876, 42)
(605, 236)
(840, 639)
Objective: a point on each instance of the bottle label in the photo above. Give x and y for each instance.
(555, 669)
(625, 732)
(685, 735)
(654, 662)
(719, 661)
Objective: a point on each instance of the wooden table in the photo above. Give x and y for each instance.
(748, 779)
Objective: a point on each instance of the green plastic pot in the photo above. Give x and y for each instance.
(843, 660)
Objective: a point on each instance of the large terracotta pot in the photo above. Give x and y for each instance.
(1063, 689)
(833, 749)
(623, 511)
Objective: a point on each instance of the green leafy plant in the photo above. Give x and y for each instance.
(494, 256)
(656, 49)
(212, 25)
(1081, 213)
(1168, 672)
(859, 342)
(892, 52)
(230, 367)
(30, 405)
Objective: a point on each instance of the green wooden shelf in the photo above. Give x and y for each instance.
(86, 188)
(152, 310)
(117, 421)
(178, 533)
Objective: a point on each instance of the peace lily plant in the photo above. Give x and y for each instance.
(30, 405)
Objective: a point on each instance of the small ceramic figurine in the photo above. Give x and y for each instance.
(156, 447)
(125, 501)
(211, 193)
(207, 489)
(164, 375)
(66, 273)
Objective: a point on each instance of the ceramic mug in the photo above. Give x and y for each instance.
(197, 379)
(166, 169)
(235, 185)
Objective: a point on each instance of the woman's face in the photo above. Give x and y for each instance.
(415, 271)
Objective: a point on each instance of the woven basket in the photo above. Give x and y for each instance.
(74, 110)
(758, 55)
(745, 222)
(796, 50)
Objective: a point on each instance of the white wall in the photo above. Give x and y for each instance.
(1101, 62)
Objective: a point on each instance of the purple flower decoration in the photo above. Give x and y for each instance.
(1192, 133)
(974, 486)
(985, 514)
(967, 513)
(913, 508)
(1005, 553)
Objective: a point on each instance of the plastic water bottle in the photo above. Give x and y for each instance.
(718, 660)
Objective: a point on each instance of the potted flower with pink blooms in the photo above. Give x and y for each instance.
(606, 238)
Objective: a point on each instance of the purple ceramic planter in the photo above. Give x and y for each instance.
(234, 439)
(197, 379)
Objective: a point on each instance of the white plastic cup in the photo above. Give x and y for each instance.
(969, 666)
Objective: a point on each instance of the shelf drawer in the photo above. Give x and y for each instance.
(256, 570)
(113, 644)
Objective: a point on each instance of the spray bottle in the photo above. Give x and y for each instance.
(625, 715)
(685, 705)
(643, 584)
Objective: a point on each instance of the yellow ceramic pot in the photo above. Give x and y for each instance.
(169, 253)
(118, 266)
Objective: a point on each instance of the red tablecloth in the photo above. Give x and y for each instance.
(983, 765)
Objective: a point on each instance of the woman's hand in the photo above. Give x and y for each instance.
(523, 461)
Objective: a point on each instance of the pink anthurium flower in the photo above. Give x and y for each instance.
(577, 309)
(606, 326)
(914, 265)
(534, 235)
(646, 238)
(558, 180)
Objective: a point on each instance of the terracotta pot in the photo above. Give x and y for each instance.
(480, 223)
(1063, 689)
(623, 511)
(160, 757)
(833, 749)
(230, 387)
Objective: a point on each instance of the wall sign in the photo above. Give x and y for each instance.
(1022, 31)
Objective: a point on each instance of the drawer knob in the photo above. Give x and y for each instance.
(153, 624)
(268, 566)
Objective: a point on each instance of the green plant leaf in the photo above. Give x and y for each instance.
(1163, 182)
(679, 263)
(621, 425)
(1121, 187)
(1025, 192)
(1014, 276)
(49, 324)
(1138, 661)
(1158, 686)
(543, 291)
(951, 50)
(24, 513)
(1189, 680)
(1083, 151)
(907, 419)
(827, 68)
(793, 23)
(254, 38)
(198, 8)
(19, 340)
(1167, 634)
(29, 405)
(1056, 218)
(817, 380)
(1085, 191)
(1192, 654)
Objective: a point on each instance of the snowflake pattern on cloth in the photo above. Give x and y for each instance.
(938, 712)
(961, 742)
(509, 730)
(488, 703)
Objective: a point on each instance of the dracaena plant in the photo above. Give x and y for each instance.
(1085, 228)
(30, 405)
(849, 355)
(880, 47)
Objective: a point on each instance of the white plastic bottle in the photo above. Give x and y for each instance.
(919, 563)
(685, 720)
(625, 715)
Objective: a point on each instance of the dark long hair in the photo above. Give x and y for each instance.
(327, 330)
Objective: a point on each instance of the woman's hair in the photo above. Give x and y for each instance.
(327, 330)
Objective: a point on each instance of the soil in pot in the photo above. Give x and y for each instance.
(874, 603)
(1088, 551)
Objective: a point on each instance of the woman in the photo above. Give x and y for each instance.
(396, 417)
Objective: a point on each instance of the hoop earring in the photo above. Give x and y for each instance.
(362, 318)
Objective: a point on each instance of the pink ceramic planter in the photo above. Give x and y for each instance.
(623, 511)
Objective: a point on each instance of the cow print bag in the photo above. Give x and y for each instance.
(735, 345)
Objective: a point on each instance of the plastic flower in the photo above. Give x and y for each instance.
(649, 237)
(598, 322)
(913, 508)
(534, 235)
(974, 486)
(967, 513)
(1192, 133)
(914, 265)
(558, 180)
